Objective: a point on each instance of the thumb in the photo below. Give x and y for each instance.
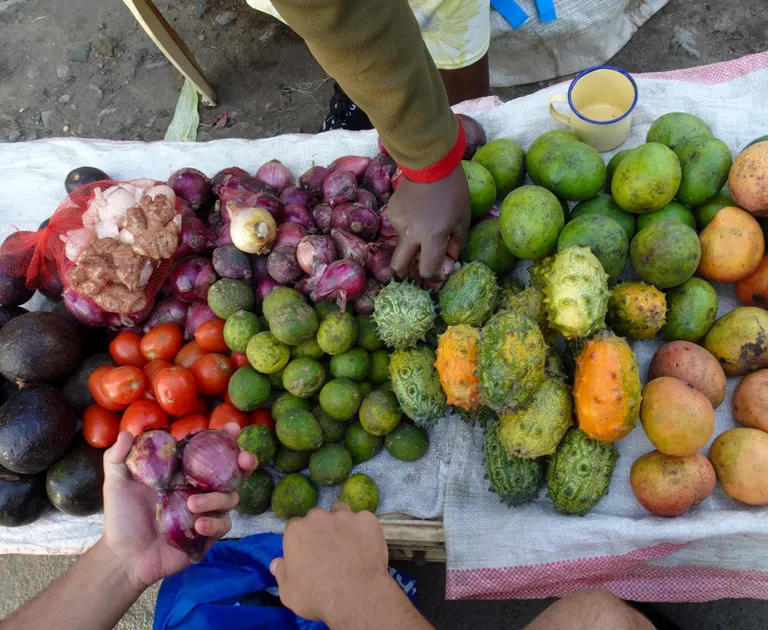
(277, 568)
(114, 458)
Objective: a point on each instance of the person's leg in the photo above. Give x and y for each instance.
(590, 610)
(467, 83)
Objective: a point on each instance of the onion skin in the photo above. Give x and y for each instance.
(322, 215)
(312, 181)
(265, 287)
(283, 266)
(84, 309)
(193, 186)
(240, 197)
(342, 280)
(195, 237)
(191, 277)
(493, 213)
(397, 179)
(259, 268)
(295, 213)
(364, 304)
(307, 284)
(366, 198)
(199, 312)
(340, 187)
(230, 262)
(349, 246)
(356, 219)
(129, 320)
(152, 459)
(225, 235)
(379, 260)
(386, 229)
(233, 171)
(209, 461)
(271, 204)
(240, 182)
(171, 310)
(176, 524)
(275, 176)
(252, 229)
(215, 220)
(378, 177)
(354, 163)
(289, 235)
(295, 195)
(475, 135)
(313, 251)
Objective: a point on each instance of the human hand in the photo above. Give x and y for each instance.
(430, 218)
(129, 517)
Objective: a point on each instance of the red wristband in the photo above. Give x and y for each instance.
(443, 167)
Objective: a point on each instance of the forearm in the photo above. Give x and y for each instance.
(93, 595)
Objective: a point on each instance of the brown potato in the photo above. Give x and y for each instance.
(740, 459)
(750, 401)
(691, 364)
(732, 246)
(670, 486)
(677, 419)
(747, 182)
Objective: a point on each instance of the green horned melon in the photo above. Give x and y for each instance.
(416, 384)
(404, 314)
(515, 480)
(469, 296)
(536, 430)
(482, 415)
(530, 302)
(507, 290)
(576, 293)
(636, 310)
(580, 472)
(539, 270)
(511, 358)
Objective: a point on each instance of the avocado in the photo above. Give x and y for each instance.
(7, 389)
(36, 428)
(82, 176)
(39, 348)
(74, 483)
(22, 498)
(7, 313)
(76, 390)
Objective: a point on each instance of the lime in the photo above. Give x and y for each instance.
(340, 398)
(293, 496)
(266, 354)
(287, 401)
(248, 390)
(360, 493)
(361, 444)
(239, 329)
(303, 377)
(482, 188)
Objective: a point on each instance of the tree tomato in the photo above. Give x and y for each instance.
(124, 384)
(263, 416)
(162, 342)
(143, 415)
(126, 349)
(210, 335)
(212, 373)
(187, 425)
(239, 359)
(225, 414)
(100, 426)
(189, 354)
(176, 391)
(94, 386)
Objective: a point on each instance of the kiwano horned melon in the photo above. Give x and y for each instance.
(530, 302)
(511, 359)
(417, 385)
(539, 270)
(576, 292)
(580, 472)
(606, 388)
(469, 296)
(636, 310)
(537, 429)
(404, 314)
(482, 415)
(515, 480)
(457, 366)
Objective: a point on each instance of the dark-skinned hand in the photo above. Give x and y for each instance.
(431, 220)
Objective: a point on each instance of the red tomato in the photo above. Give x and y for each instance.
(212, 373)
(124, 384)
(225, 414)
(239, 359)
(226, 397)
(189, 354)
(94, 386)
(126, 349)
(263, 416)
(176, 391)
(100, 427)
(201, 406)
(210, 336)
(143, 415)
(162, 342)
(150, 371)
(187, 425)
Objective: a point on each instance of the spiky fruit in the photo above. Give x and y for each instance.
(417, 385)
(434, 333)
(539, 270)
(580, 472)
(507, 289)
(530, 302)
(515, 480)
(555, 365)
(576, 293)
(404, 314)
(636, 310)
(457, 366)
(606, 388)
(537, 429)
(469, 296)
(482, 415)
(510, 360)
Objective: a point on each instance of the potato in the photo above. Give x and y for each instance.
(740, 459)
(750, 401)
(670, 486)
(732, 246)
(747, 181)
(753, 290)
(677, 419)
(739, 340)
(693, 365)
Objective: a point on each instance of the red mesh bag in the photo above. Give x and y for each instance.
(108, 249)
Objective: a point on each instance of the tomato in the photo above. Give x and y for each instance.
(201, 406)
(210, 336)
(126, 349)
(225, 414)
(239, 359)
(212, 373)
(226, 397)
(94, 386)
(176, 391)
(162, 342)
(124, 384)
(100, 427)
(150, 371)
(187, 425)
(143, 415)
(189, 354)
(263, 416)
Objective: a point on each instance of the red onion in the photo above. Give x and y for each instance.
(493, 213)
(354, 163)
(84, 309)
(275, 176)
(271, 204)
(233, 171)
(349, 246)
(129, 320)
(382, 148)
(357, 219)
(289, 235)
(152, 460)
(342, 280)
(230, 262)
(295, 213)
(215, 220)
(312, 181)
(475, 135)
(307, 284)
(242, 198)
(339, 187)
(366, 198)
(192, 186)
(283, 266)
(225, 235)
(364, 304)
(379, 260)
(259, 268)
(171, 310)
(322, 216)
(191, 278)
(397, 179)
(265, 287)
(195, 237)
(294, 194)
(240, 182)
(184, 208)
(386, 229)
(378, 177)
(176, 523)
(313, 251)
(199, 312)
(209, 461)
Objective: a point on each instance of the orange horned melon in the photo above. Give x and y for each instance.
(457, 366)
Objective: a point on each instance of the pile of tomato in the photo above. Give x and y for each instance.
(162, 383)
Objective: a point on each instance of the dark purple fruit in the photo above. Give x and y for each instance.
(82, 176)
